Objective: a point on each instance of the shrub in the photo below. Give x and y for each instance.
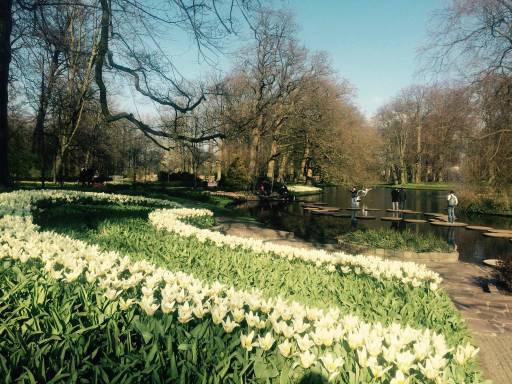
(182, 178)
(393, 239)
(485, 201)
(236, 177)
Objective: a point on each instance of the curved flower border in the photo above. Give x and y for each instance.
(24, 203)
(311, 337)
(406, 272)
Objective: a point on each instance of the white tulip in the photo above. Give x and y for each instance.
(331, 363)
(304, 342)
(266, 342)
(307, 359)
(285, 348)
(247, 341)
(229, 325)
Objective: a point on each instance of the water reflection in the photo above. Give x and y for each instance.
(471, 245)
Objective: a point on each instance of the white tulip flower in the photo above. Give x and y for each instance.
(331, 363)
(266, 342)
(247, 341)
(285, 348)
(399, 378)
(229, 325)
(307, 359)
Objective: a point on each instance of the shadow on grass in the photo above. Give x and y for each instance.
(313, 378)
(78, 217)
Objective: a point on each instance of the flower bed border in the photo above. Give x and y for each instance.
(379, 268)
(354, 248)
(314, 333)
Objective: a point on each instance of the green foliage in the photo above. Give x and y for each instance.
(22, 162)
(485, 200)
(126, 229)
(201, 221)
(236, 178)
(64, 333)
(392, 239)
(69, 332)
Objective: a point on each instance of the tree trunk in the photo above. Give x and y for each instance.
(272, 162)
(54, 169)
(303, 164)
(60, 166)
(403, 167)
(396, 174)
(223, 163)
(417, 168)
(253, 152)
(403, 174)
(44, 98)
(291, 171)
(5, 61)
(281, 176)
(218, 165)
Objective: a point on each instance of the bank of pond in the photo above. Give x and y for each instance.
(326, 216)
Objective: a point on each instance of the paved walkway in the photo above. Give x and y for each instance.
(488, 312)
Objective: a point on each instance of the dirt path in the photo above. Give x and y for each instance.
(487, 314)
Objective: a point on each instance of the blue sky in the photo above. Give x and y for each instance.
(371, 43)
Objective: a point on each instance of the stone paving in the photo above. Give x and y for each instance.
(487, 314)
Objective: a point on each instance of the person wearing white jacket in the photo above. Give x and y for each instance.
(452, 203)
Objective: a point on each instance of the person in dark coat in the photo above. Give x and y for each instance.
(353, 197)
(283, 192)
(395, 198)
(402, 197)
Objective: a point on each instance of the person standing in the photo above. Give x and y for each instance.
(452, 203)
(402, 196)
(395, 198)
(354, 197)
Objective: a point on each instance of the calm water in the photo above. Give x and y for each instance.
(471, 245)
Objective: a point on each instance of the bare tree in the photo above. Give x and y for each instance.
(202, 18)
(5, 60)
(207, 21)
(473, 37)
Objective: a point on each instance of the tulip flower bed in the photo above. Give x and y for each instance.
(74, 310)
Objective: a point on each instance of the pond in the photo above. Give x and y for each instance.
(472, 245)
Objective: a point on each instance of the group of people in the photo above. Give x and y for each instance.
(89, 177)
(357, 194)
(265, 189)
(398, 198)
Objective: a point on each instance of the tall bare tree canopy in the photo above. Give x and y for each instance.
(279, 112)
(113, 39)
(473, 37)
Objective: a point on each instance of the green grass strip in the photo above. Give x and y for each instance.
(403, 240)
